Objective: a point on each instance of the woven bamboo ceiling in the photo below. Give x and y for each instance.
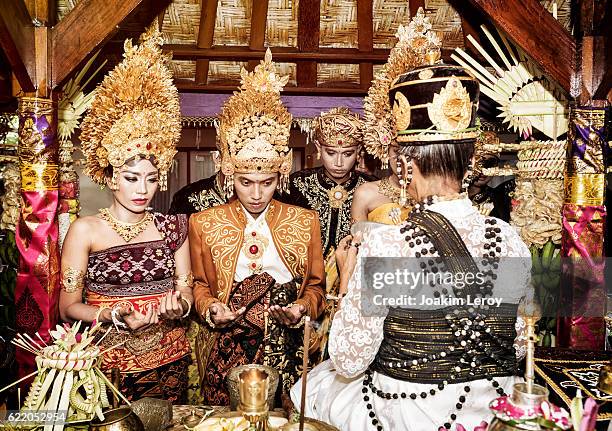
(212, 39)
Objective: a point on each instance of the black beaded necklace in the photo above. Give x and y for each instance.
(467, 330)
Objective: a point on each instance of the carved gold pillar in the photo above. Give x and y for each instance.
(37, 231)
(583, 289)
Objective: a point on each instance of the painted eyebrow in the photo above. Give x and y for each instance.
(138, 174)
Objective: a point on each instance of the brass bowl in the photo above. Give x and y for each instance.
(522, 398)
(605, 379)
(155, 414)
(233, 384)
(120, 419)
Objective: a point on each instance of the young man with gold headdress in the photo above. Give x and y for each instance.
(328, 189)
(257, 262)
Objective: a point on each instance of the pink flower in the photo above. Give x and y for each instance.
(78, 337)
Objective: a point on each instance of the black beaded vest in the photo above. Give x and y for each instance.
(454, 344)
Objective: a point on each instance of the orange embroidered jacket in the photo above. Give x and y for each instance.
(215, 240)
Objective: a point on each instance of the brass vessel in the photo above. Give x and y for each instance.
(233, 384)
(119, 419)
(523, 398)
(254, 384)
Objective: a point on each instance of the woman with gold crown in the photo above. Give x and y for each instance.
(132, 264)
(386, 200)
(433, 353)
(257, 262)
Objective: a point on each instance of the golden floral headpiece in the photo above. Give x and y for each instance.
(417, 45)
(254, 127)
(338, 127)
(135, 112)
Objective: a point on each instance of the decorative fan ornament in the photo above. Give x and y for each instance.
(527, 98)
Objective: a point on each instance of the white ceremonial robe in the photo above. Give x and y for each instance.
(334, 387)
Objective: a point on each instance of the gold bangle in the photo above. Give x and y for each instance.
(184, 280)
(72, 280)
(188, 308)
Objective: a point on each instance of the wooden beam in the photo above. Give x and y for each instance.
(528, 23)
(83, 29)
(309, 29)
(189, 86)
(365, 33)
(17, 42)
(206, 34)
(259, 18)
(414, 5)
(593, 65)
(282, 54)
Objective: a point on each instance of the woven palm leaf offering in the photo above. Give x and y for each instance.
(68, 378)
(528, 101)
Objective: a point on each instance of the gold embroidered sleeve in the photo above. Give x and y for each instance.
(73, 280)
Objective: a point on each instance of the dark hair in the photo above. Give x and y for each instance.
(446, 160)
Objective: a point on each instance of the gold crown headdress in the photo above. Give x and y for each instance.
(417, 45)
(254, 127)
(338, 127)
(135, 112)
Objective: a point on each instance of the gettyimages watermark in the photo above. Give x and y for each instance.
(496, 287)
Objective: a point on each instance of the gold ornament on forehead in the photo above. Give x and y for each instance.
(451, 109)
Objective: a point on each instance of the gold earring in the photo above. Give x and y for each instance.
(113, 183)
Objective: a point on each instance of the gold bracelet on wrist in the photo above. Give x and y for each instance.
(184, 280)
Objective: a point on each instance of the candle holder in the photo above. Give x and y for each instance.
(233, 384)
(253, 386)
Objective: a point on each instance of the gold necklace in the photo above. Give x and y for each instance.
(127, 231)
(386, 188)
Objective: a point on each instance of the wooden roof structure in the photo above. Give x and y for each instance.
(331, 47)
